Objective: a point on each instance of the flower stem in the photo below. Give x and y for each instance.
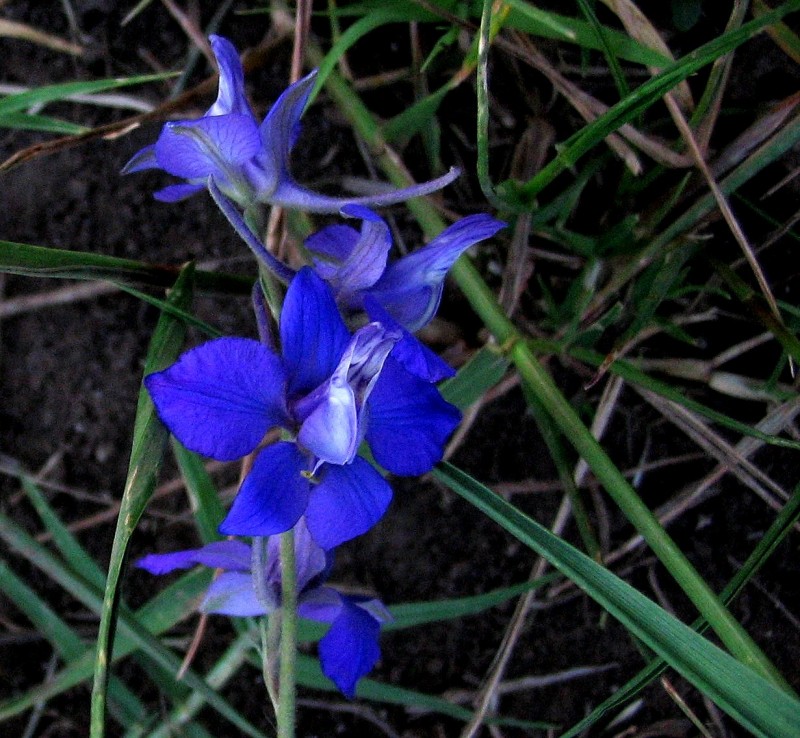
(286, 703)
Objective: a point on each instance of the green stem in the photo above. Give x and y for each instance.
(541, 385)
(288, 675)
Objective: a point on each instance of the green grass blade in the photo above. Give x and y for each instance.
(136, 631)
(646, 95)
(414, 614)
(526, 17)
(43, 123)
(206, 506)
(779, 529)
(309, 674)
(123, 705)
(482, 372)
(751, 700)
(225, 668)
(72, 551)
(41, 261)
(50, 93)
(632, 374)
(149, 441)
(167, 307)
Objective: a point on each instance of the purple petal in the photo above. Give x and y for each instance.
(330, 429)
(347, 502)
(331, 414)
(231, 96)
(313, 334)
(329, 247)
(212, 146)
(352, 261)
(414, 355)
(322, 604)
(289, 194)
(273, 495)
(281, 127)
(409, 422)
(349, 650)
(232, 593)
(411, 288)
(143, 159)
(220, 398)
(177, 192)
(228, 555)
(312, 561)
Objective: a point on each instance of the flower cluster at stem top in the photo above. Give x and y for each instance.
(304, 406)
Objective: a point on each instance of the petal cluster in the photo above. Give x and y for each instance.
(349, 649)
(247, 160)
(328, 391)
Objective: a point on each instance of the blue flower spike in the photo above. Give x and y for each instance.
(329, 391)
(248, 161)
(348, 651)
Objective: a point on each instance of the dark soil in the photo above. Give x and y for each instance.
(70, 374)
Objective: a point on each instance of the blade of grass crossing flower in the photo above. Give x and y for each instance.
(203, 497)
(482, 372)
(777, 532)
(751, 700)
(40, 261)
(414, 614)
(149, 441)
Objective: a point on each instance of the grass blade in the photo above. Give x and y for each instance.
(149, 441)
(738, 690)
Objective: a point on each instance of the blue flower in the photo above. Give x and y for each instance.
(349, 649)
(405, 294)
(248, 161)
(410, 288)
(329, 391)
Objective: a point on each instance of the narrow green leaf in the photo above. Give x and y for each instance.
(135, 630)
(309, 674)
(647, 94)
(44, 123)
(482, 372)
(738, 690)
(72, 551)
(149, 440)
(41, 261)
(49, 93)
(124, 705)
(206, 505)
(779, 529)
(414, 614)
